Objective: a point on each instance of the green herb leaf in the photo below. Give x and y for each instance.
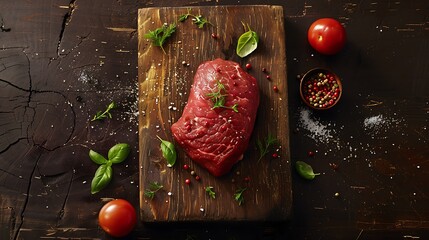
(153, 188)
(305, 170)
(102, 178)
(102, 115)
(119, 152)
(209, 190)
(218, 98)
(97, 158)
(160, 35)
(247, 43)
(238, 196)
(200, 21)
(168, 152)
(148, 194)
(235, 107)
(265, 147)
(111, 105)
(183, 17)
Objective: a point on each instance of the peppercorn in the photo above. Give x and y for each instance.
(249, 66)
(187, 181)
(276, 89)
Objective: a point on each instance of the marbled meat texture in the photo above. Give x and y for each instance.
(216, 138)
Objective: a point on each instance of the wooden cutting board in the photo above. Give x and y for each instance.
(164, 83)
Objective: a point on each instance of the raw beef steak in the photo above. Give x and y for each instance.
(217, 121)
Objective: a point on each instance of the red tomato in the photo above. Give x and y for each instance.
(117, 217)
(327, 36)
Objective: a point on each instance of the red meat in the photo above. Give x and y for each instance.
(217, 137)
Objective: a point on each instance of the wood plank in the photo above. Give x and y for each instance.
(164, 84)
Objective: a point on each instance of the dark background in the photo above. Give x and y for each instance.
(62, 61)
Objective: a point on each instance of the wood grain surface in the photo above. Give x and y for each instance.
(62, 61)
(164, 84)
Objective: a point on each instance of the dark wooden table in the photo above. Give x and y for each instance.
(62, 61)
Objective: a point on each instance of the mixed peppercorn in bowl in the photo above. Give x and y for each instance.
(320, 88)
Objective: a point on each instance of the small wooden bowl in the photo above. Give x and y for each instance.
(320, 88)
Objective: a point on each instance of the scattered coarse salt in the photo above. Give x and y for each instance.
(380, 124)
(318, 131)
(84, 77)
(374, 122)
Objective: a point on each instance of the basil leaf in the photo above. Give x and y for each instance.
(168, 152)
(96, 157)
(305, 170)
(119, 152)
(102, 178)
(247, 43)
